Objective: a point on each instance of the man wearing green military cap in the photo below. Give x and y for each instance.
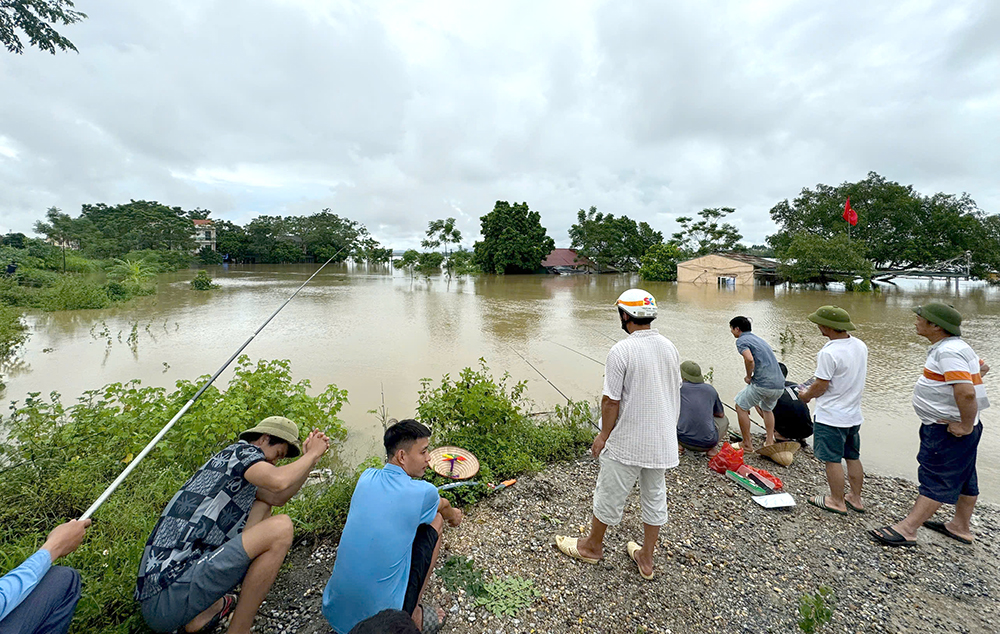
(839, 382)
(948, 399)
(218, 532)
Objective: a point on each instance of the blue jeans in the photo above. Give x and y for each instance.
(50, 606)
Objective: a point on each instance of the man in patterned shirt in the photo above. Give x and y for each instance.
(948, 399)
(218, 532)
(638, 438)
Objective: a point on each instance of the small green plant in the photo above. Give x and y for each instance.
(710, 375)
(202, 282)
(461, 573)
(507, 596)
(816, 610)
(135, 271)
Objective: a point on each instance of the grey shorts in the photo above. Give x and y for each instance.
(752, 396)
(615, 482)
(203, 583)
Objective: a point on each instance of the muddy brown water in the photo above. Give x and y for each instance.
(375, 331)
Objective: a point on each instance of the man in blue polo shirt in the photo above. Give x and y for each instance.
(390, 541)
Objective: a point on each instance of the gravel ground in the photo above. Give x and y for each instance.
(723, 563)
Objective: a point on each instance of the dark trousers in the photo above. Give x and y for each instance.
(50, 606)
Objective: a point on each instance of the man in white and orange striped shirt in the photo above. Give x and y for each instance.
(948, 399)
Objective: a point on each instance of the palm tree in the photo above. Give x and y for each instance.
(136, 271)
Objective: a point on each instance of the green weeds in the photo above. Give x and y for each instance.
(202, 282)
(505, 596)
(816, 610)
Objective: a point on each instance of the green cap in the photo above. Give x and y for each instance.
(832, 317)
(281, 428)
(943, 315)
(691, 371)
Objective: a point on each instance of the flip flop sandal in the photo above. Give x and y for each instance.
(567, 545)
(820, 502)
(228, 604)
(429, 621)
(939, 527)
(633, 548)
(888, 536)
(856, 509)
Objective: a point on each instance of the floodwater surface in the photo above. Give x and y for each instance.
(378, 333)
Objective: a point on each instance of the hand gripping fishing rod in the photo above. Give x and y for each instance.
(152, 443)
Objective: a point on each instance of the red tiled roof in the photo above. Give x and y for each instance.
(200, 222)
(565, 257)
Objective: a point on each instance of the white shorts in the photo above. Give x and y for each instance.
(615, 482)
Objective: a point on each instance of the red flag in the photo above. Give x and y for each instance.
(850, 215)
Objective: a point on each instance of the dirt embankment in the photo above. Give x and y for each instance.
(723, 564)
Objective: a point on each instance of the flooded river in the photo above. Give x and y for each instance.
(375, 331)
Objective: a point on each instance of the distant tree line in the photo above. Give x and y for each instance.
(112, 231)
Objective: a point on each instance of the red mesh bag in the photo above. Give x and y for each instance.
(728, 459)
(778, 484)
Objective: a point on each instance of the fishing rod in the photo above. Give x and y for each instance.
(531, 365)
(601, 333)
(156, 439)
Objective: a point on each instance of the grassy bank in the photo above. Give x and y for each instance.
(60, 457)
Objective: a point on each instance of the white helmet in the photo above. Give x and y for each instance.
(637, 303)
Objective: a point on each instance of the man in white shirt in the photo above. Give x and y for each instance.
(638, 438)
(948, 399)
(841, 368)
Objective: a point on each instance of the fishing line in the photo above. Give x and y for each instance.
(568, 400)
(602, 363)
(152, 443)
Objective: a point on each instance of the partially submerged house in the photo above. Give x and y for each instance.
(739, 269)
(566, 262)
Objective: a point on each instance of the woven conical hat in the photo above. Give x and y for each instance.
(465, 464)
(780, 452)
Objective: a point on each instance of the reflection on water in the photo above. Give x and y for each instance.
(372, 329)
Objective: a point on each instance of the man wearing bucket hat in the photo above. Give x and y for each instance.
(841, 369)
(638, 437)
(948, 399)
(218, 532)
(702, 424)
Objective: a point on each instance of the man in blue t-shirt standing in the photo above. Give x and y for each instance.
(390, 541)
(764, 380)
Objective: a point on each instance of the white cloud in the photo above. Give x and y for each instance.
(397, 113)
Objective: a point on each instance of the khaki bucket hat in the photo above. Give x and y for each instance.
(781, 452)
(691, 371)
(832, 317)
(943, 315)
(281, 428)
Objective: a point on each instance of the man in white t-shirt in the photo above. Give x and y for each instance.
(638, 438)
(841, 368)
(948, 399)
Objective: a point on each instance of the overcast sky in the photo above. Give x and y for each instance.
(395, 113)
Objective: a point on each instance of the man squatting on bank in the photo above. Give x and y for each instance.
(638, 438)
(218, 532)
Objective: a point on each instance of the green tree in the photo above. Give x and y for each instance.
(135, 271)
(441, 232)
(460, 263)
(60, 229)
(900, 227)
(659, 264)
(514, 240)
(34, 18)
(136, 226)
(429, 263)
(408, 261)
(611, 242)
(368, 249)
(231, 240)
(814, 258)
(708, 235)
